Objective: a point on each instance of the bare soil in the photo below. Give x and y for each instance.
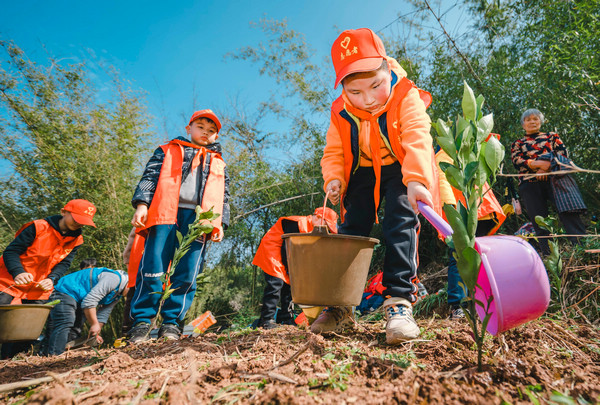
(546, 360)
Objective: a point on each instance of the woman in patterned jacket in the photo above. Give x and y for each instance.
(537, 153)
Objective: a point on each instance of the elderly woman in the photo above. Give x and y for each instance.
(544, 152)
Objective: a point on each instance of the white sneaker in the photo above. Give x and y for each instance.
(333, 319)
(401, 325)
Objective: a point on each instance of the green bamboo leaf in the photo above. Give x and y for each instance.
(179, 236)
(469, 103)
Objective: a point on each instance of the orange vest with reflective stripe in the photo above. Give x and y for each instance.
(349, 136)
(164, 206)
(268, 254)
(47, 250)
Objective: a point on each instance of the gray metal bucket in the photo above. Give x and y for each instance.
(328, 269)
(22, 322)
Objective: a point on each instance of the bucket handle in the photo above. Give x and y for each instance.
(434, 219)
(322, 229)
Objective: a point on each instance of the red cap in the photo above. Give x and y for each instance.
(206, 114)
(82, 211)
(354, 51)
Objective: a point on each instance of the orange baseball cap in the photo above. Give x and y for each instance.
(82, 211)
(359, 50)
(206, 114)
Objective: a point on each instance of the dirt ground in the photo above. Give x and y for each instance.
(545, 361)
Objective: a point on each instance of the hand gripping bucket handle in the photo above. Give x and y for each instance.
(511, 272)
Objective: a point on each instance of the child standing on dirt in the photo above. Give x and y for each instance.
(180, 175)
(40, 255)
(271, 257)
(378, 147)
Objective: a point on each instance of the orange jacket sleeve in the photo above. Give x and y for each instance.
(332, 162)
(416, 140)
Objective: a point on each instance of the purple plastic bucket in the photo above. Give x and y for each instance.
(511, 272)
(514, 275)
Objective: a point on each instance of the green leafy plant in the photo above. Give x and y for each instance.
(200, 226)
(553, 261)
(476, 160)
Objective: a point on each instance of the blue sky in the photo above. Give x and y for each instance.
(174, 51)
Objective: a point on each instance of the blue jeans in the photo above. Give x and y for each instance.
(158, 253)
(455, 291)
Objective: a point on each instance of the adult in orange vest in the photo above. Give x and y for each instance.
(379, 147)
(490, 217)
(180, 176)
(271, 257)
(40, 255)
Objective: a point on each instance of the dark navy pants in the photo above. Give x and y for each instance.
(400, 226)
(61, 320)
(158, 253)
(535, 195)
(275, 290)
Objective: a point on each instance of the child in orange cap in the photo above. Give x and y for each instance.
(379, 147)
(272, 259)
(40, 254)
(181, 175)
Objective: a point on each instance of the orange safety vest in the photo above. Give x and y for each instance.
(489, 207)
(47, 250)
(165, 203)
(349, 135)
(135, 256)
(268, 254)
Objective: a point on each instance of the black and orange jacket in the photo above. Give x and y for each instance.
(403, 126)
(42, 251)
(168, 168)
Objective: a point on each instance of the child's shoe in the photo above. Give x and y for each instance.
(457, 313)
(401, 325)
(139, 333)
(333, 319)
(169, 331)
(268, 324)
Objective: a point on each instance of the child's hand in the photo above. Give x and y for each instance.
(140, 216)
(46, 284)
(334, 188)
(24, 278)
(217, 236)
(418, 192)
